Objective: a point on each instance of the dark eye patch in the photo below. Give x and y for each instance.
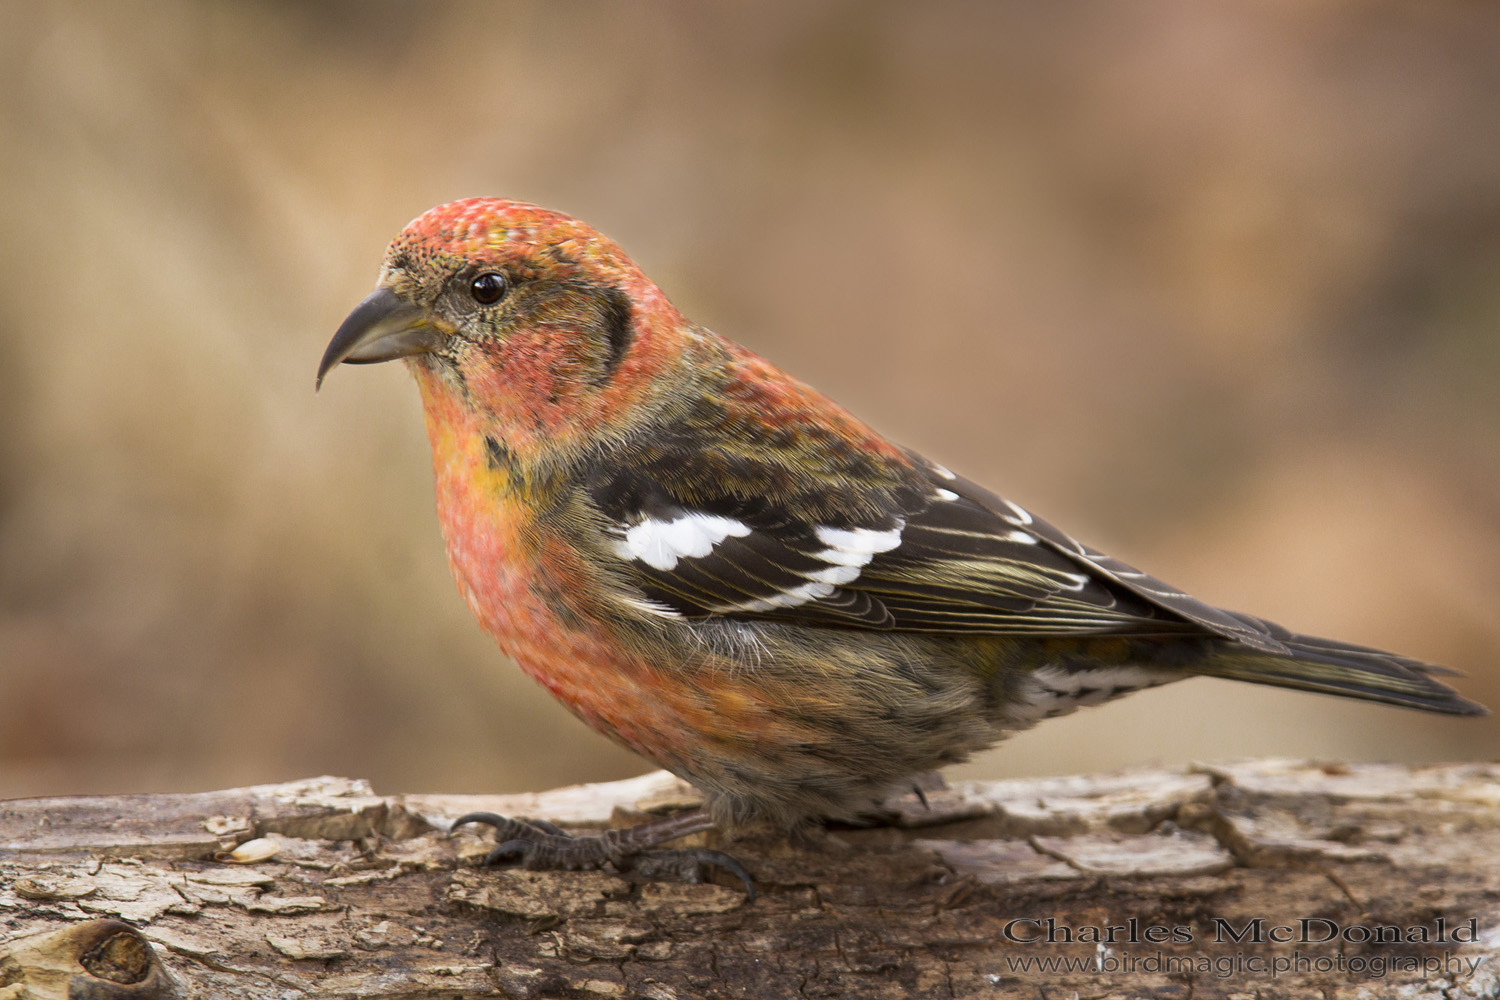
(618, 330)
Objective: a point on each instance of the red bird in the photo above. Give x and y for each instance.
(717, 566)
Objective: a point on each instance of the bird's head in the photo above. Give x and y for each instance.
(526, 320)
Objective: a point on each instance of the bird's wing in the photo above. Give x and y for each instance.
(913, 548)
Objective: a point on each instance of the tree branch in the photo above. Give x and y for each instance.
(1383, 880)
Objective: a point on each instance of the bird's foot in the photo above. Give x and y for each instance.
(540, 846)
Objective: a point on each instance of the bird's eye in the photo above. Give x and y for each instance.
(487, 287)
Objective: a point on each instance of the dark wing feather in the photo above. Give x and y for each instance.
(1158, 593)
(924, 553)
(795, 527)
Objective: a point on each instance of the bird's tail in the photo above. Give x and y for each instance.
(1314, 664)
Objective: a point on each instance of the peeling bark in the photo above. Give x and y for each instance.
(1143, 878)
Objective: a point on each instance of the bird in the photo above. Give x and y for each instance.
(717, 566)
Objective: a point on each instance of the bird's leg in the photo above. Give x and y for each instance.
(538, 845)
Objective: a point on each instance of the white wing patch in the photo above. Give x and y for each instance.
(785, 598)
(857, 546)
(848, 551)
(1019, 514)
(660, 544)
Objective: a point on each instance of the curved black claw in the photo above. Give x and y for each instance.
(511, 829)
(689, 864)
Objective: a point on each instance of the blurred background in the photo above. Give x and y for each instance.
(1215, 287)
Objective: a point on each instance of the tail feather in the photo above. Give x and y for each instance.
(1340, 668)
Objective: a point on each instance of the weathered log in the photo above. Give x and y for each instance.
(1265, 878)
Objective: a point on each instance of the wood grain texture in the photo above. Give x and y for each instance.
(367, 897)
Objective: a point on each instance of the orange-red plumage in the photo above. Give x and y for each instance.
(715, 564)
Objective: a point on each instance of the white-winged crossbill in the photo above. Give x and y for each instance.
(717, 566)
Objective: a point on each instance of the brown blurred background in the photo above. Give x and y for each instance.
(1216, 287)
